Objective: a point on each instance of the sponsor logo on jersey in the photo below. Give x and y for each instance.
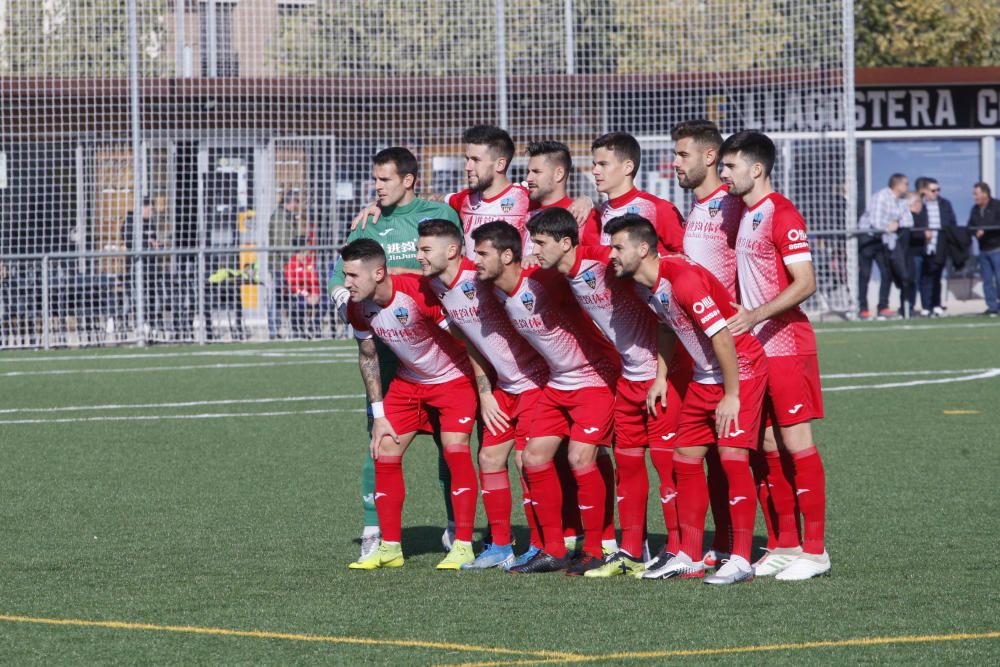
(758, 218)
(714, 207)
(391, 229)
(590, 279)
(469, 290)
(633, 209)
(528, 299)
(507, 204)
(664, 300)
(370, 314)
(796, 408)
(796, 235)
(402, 314)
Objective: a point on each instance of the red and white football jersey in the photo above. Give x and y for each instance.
(511, 206)
(591, 223)
(543, 310)
(773, 235)
(710, 235)
(617, 309)
(696, 306)
(665, 218)
(412, 325)
(474, 308)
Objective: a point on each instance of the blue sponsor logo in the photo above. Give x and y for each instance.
(714, 207)
(758, 218)
(590, 279)
(469, 290)
(528, 299)
(402, 314)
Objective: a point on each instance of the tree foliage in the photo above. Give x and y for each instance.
(922, 33)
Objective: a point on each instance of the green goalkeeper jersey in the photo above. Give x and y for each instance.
(396, 232)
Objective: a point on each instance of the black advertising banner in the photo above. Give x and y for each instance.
(927, 108)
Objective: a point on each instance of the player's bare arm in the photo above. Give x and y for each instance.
(728, 409)
(494, 419)
(801, 286)
(657, 395)
(372, 378)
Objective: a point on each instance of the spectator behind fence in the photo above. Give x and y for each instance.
(937, 214)
(285, 226)
(986, 213)
(302, 283)
(886, 213)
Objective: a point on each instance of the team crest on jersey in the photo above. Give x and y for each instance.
(758, 218)
(633, 209)
(714, 207)
(507, 204)
(590, 279)
(402, 314)
(528, 299)
(469, 290)
(664, 300)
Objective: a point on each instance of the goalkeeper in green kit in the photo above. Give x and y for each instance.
(395, 173)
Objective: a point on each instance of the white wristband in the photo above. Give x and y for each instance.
(378, 410)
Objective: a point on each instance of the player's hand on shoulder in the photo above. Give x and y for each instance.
(581, 208)
(529, 261)
(372, 210)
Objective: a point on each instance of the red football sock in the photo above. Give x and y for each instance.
(572, 525)
(591, 494)
(663, 461)
(546, 497)
(632, 494)
(742, 500)
(607, 468)
(782, 501)
(810, 489)
(758, 466)
(496, 502)
(718, 494)
(463, 489)
(390, 492)
(692, 502)
(529, 514)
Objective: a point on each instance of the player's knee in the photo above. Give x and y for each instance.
(582, 456)
(492, 459)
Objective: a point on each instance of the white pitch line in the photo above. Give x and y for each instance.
(878, 374)
(990, 373)
(247, 352)
(186, 404)
(905, 327)
(208, 415)
(151, 369)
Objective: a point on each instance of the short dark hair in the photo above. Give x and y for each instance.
(502, 235)
(704, 132)
(925, 181)
(896, 179)
(363, 249)
(556, 151)
(495, 138)
(639, 229)
(441, 228)
(755, 147)
(983, 187)
(405, 161)
(622, 144)
(556, 222)
(919, 184)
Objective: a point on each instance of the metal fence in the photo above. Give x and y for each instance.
(241, 127)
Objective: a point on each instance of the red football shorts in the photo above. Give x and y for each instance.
(634, 426)
(410, 406)
(584, 415)
(519, 408)
(793, 390)
(697, 422)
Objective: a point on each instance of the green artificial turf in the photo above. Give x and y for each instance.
(246, 521)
